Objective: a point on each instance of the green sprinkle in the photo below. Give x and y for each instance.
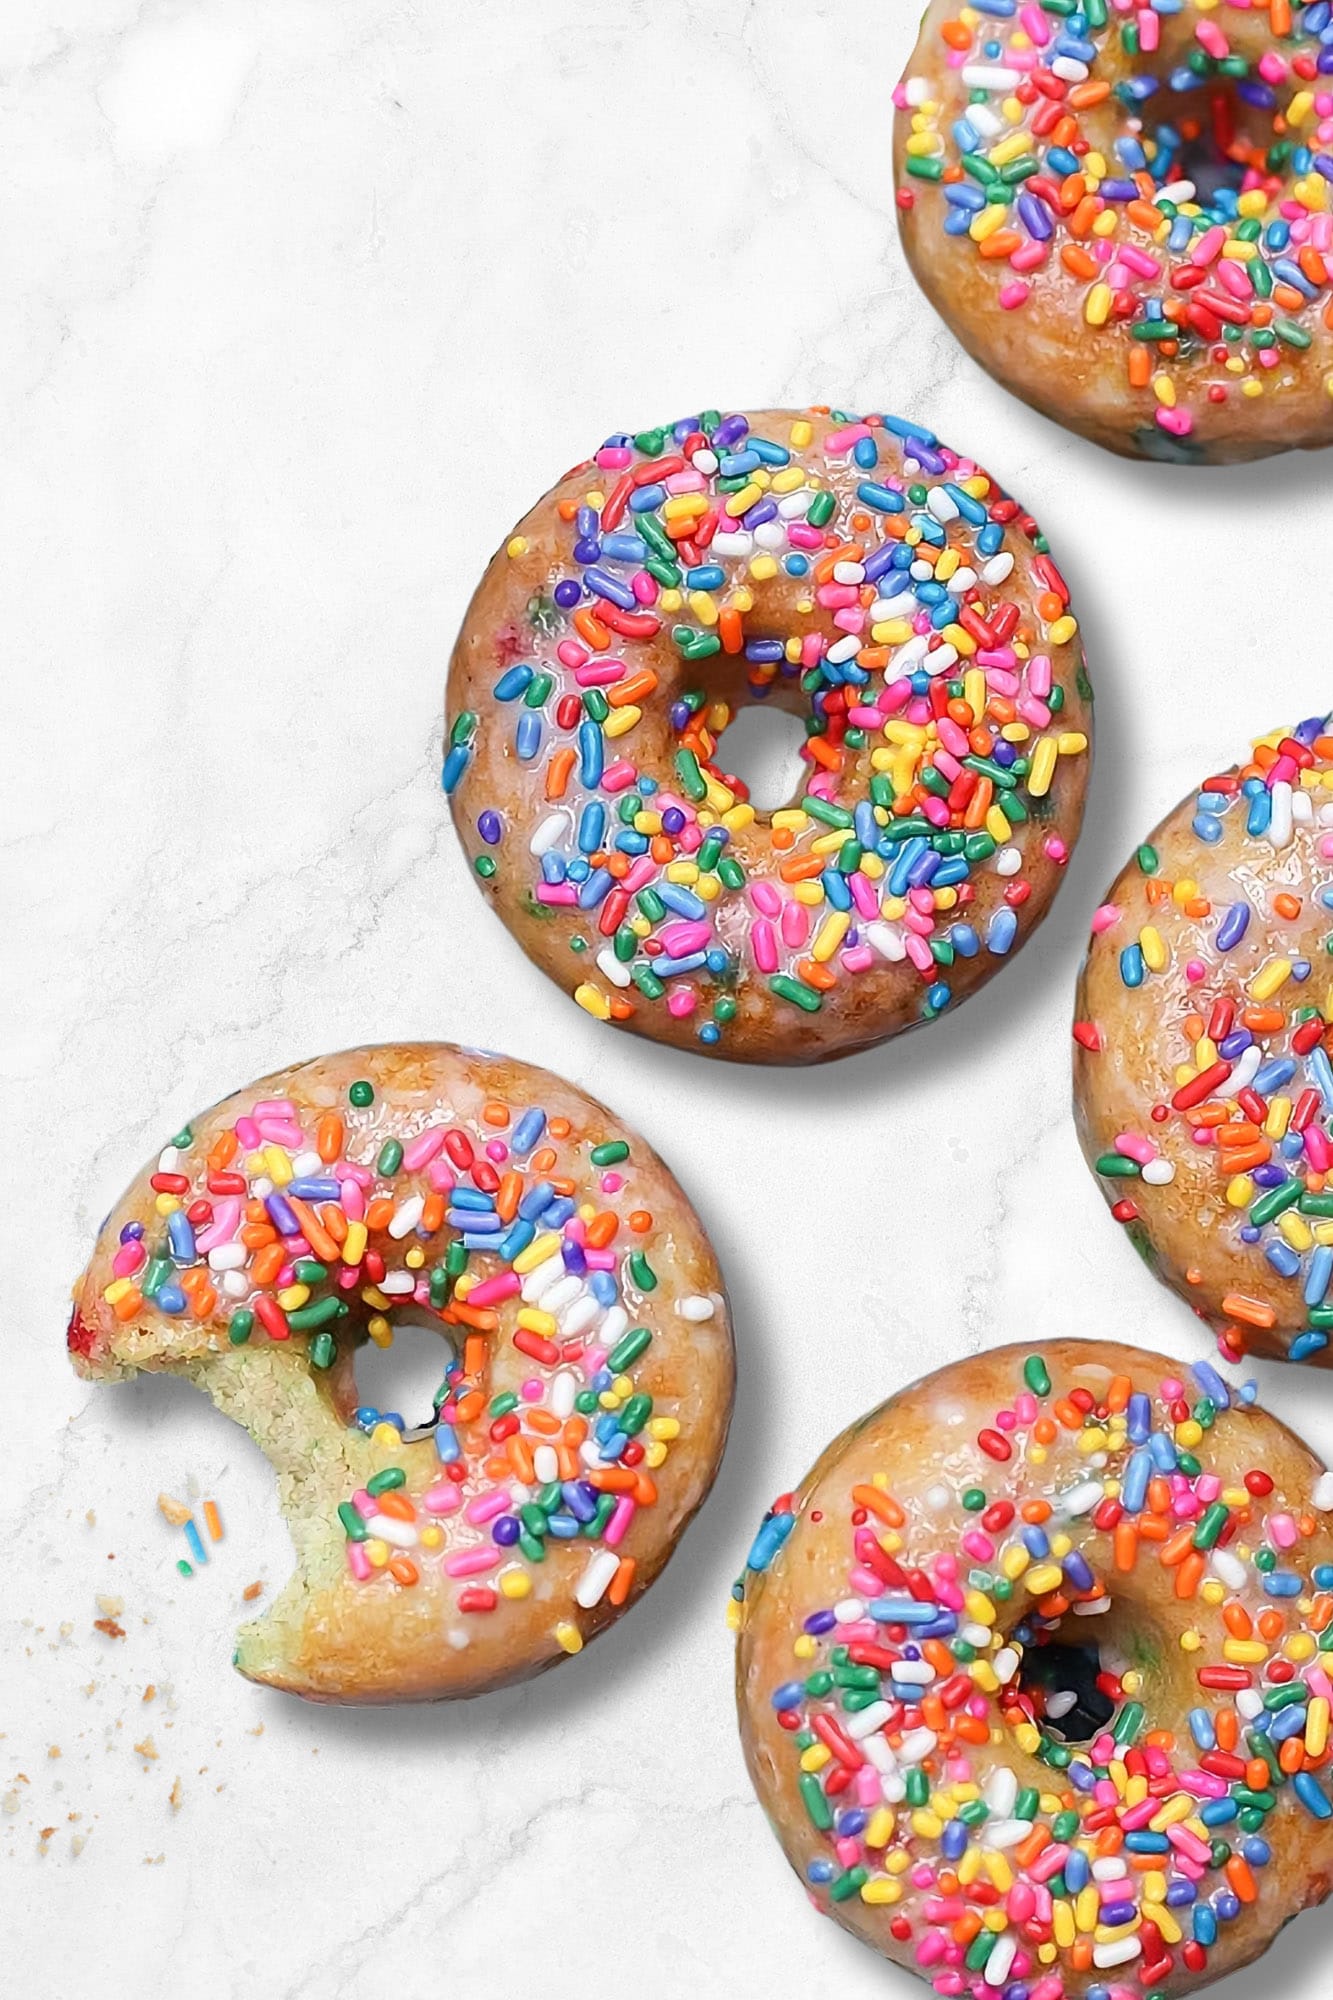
(352, 1521)
(390, 1158)
(240, 1326)
(642, 1272)
(610, 1153)
(361, 1094)
(627, 1351)
(1036, 1375)
(792, 989)
(385, 1480)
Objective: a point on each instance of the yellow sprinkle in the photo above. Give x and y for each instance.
(880, 1889)
(1097, 305)
(1063, 630)
(1043, 767)
(538, 1251)
(1153, 947)
(569, 1638)
(517, 545)
(1273, 976)
(596, 1004)
(516, 1583)
(801, 433)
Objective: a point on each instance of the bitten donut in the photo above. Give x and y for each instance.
(1122, 209)
(586, 1355)
(857, 573)
(1203, 1087)
(1033, 1679)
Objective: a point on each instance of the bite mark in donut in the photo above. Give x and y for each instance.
(1203, 1085)
(586, 1355)
(855, 571)
(1124, 213)
(894, 1616)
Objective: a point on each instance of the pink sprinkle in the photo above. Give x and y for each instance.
(358, 1561)
(1132, 1146)
(471, 1562)
(442, 1498)
(1105, 918)
(682, 1001)
(491, 1290)
(1015, 294)
(763, 943)
(419, 1152)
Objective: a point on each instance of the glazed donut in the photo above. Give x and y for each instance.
(1122, 209)
(587, 1355)
(1203, 1088)
(857, 573)
(1032, 1679)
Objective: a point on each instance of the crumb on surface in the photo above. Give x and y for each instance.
(251, 1592)
(147, 1749)
(174, 1511)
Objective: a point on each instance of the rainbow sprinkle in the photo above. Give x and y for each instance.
(865, 575)
(969, 1622)
(1201, 236)
(1250, 1120)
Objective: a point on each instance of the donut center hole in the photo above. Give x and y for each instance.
(405, 1377)
(762, 747)
(1211, 140)
(1068, 1686)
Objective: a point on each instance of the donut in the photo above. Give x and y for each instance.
(1032, 1675)
(1203, 1086)
(853, 571)
(586, 1355)
(1122, 209)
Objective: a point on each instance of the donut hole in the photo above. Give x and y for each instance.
(1208, 139)
(1071, 1672)
(1065, 1681)
(405, 1378)
(762, 747)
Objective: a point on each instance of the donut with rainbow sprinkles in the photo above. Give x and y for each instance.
(1203, 1064)
(1033, 1678)
(853, 571)
(586, 1361)
(1124, 210)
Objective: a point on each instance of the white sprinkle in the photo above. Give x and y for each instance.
(1249, 1703)
(916, 1746)
(937, 1497)
(940, 661)
(545, 1464)
(916, 90)
(1008, 861)
(234, 1285)
(593, 1585)
(1000, 1791)
(1176, 191)
(848, 1610)
(540, 1277)
(1247, 1066)
(227, 1257)
(771, 535)
(975, 1635)
(406, 1217)
(564, 1388)
(1109, 1868)
(1321, 1493)
(1069, 69)
(878, 1753)
(1229, 1569)
(705, 461)
(888, 941)
(1280, 822)
(168, 1160)
(791, 507)
(1000, 1962)
(844, 649)
(961, 582)
(1005, 1664)
(562, 1293)
(458, 1640)
(1004, 1833)
(1302, 808)
(613, 1325)
(1159, 1173)
(1061, 1703)
(739, 546)
(868, 1721)
(982, 76)
(849, 572)
(1118, 1952)
(305, 1164)
(1082, 1498)
(998, 568)
(611, 968)
(398, 1284)
(580, 1315)
(398, 1534)
(1093, 1608)
(695, 1308)
(941, 504)
(913, 1673)
(548, 833)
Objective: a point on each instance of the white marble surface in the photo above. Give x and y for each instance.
(303, 303)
